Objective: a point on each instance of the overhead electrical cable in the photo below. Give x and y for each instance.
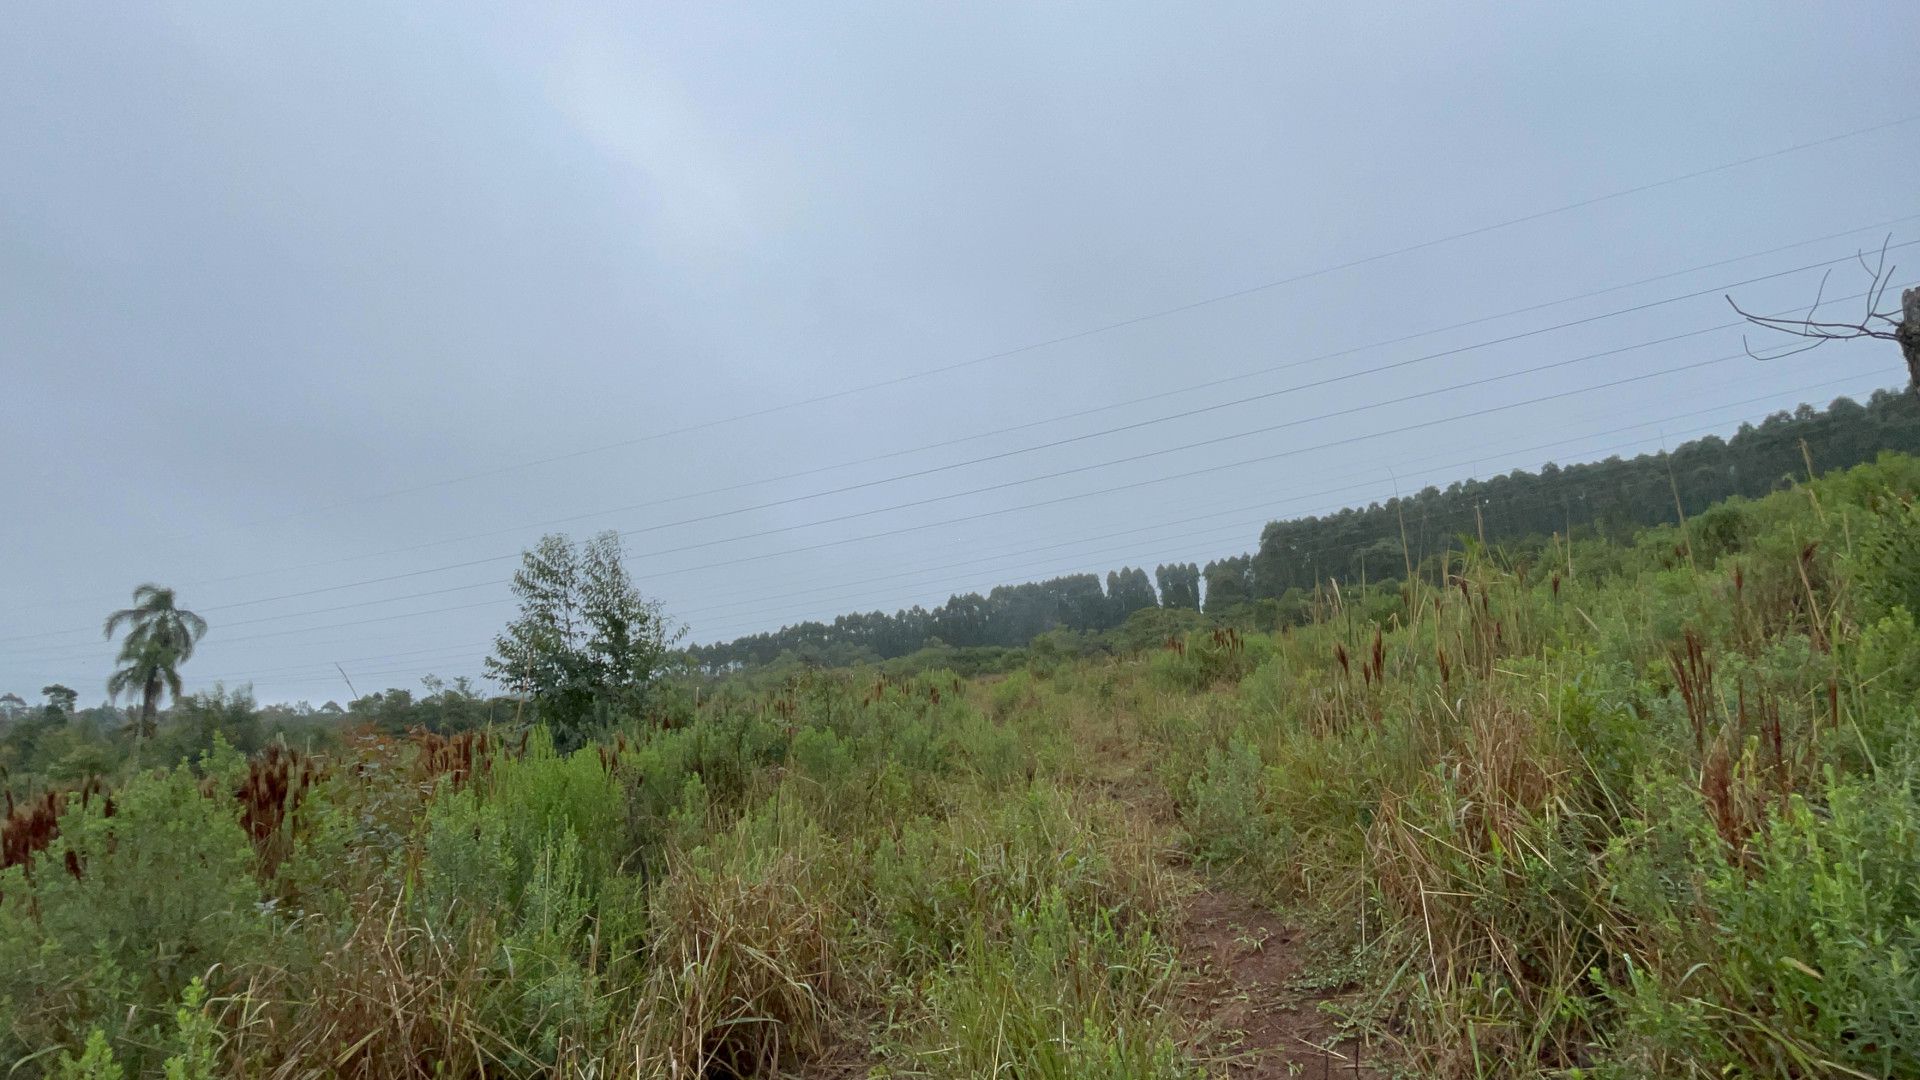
(1269, 505)
(1396, 365)
(1004, 485)
(1139, 400)
(1134, 485)
(1133, 320)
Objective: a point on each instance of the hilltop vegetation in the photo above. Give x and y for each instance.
(1607, 807)
(1608, 499)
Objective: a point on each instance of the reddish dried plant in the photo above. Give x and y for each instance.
(1749, 764)
(1693, 677)
(459, 758)
(1373, 670)
(1228, 639)
(611, 753)
(30, 826)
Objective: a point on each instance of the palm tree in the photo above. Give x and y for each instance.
(160, 637)
(151, 671)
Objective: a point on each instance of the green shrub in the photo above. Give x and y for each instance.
(196, 1038)
(1886, 662)
(991, 753)
(982, 866)
(165, 893)
(1209, 659)
(545, 793)
(522, 868)
(1226, 812)
(1058, 996)
(94, 1063)
(1796, 958)
(1886, 562)
(1012, 693)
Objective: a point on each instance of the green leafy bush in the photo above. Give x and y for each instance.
(1886, 562)
(1793, 957)
(1227, 813)
(164, 892)
(1211, 658)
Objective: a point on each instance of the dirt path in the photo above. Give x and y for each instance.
(1244, 1002)
(1241, 997)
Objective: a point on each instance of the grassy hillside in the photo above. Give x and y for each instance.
(1625, 809)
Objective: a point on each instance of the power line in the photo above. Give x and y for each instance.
(1034, 448)
(1189, 538)
(837, 605)
(1142, 399)
(1075, 562)
(762, 597)
(1069, 498)
(760, 593)
(1056, 568)
(898, 506)
(1004, 485)
(1260, 459)
(1325, 549)
(303, 668)
(1108, 327)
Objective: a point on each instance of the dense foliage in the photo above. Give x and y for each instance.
(1007, 617)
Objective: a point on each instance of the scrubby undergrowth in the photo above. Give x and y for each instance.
(1616, 810)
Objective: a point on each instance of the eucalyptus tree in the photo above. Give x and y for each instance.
(586, 647)
(1179, 585)
(160, 637)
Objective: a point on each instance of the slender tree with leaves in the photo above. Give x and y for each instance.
(586, 646)
(160, 637)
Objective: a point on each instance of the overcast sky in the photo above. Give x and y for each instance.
(295, 299)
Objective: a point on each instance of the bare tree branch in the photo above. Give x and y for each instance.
(1877, 321)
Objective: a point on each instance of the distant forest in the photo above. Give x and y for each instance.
(1608, 499)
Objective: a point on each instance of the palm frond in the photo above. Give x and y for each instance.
(120, 682)
(134, 646)
(124, 615)
(156, 625)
